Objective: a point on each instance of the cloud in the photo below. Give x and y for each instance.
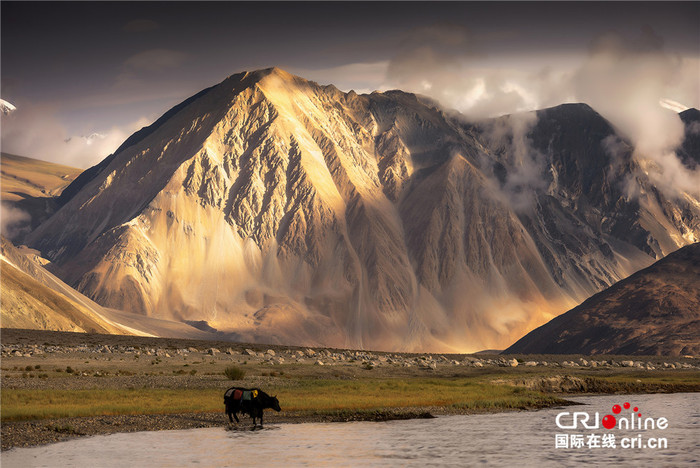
(525, 165)
(13, 221)
(449, 64)
(141, 25)
(625, 78)
(155, 60)
(36, 131)
(361, 77)
(148, 66)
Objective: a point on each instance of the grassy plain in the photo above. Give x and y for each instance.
(57, 385)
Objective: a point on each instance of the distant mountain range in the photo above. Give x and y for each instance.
(273, 209)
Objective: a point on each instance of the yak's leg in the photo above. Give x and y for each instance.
(230, 419)
(261, 422)
(236, 416)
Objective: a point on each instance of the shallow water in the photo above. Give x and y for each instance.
(504, 439)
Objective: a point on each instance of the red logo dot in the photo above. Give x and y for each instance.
(639, 414)
(626, 405)
(636, 409)
(609, 421)
(616, 409)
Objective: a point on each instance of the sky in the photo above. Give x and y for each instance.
(86, 75)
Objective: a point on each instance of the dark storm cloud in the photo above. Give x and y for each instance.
(141, 25)
(105, 64)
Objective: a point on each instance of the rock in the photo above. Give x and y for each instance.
(270, 352)
(478, 364)
(513, 362)
(627, 363)
(250, 352)
(319, 363)
(530, 363)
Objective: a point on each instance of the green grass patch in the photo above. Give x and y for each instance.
(332, 395)
(21, 404)
(307, 396)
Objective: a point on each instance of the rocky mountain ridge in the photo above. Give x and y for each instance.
(278, 210)
(656, 311)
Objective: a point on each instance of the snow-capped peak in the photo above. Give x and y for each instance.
(675, 106)
(6, 107)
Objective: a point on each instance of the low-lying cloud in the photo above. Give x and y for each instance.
(13, 221)
(36, 131)
(625, 78)
(525, 165)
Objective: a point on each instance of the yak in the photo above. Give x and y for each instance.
(249, 400)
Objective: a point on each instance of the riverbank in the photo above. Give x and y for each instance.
(57, 386)
(40, 432)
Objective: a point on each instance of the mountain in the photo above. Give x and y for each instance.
(278, 210)
(656, 311)
(689, 151)
(28, 190)
(24, 178)
(33, 298)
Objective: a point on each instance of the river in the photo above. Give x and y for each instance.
(520, 439)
